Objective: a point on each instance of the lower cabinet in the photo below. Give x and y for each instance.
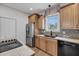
(48, 45)
(43, 44)
(37, 42)
(51, 47)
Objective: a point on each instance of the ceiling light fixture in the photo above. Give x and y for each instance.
(49, 8)
(31, 8)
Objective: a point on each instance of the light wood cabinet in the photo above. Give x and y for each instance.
(37, 41)
(76, 19)
(42, 44)
(69, 17)
(32, 19)
(48, 45)
(40, 22)
(51, 47)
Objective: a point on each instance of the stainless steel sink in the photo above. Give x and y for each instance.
(51, 36)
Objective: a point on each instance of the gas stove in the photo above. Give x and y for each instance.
(9, 45)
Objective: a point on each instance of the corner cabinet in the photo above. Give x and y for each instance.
(38, 20)
(34, 19)
(69, 16)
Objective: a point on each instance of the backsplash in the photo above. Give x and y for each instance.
(71, 33)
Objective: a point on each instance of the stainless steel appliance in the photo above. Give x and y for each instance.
(30, 34)
(68, 49)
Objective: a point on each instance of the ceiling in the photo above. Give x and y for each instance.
(24, 7)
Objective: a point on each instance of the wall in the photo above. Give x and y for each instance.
(21, 20)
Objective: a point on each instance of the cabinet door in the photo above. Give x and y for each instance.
(76, 18)
(40, 22)
(37, 42)
(42, 44)
(62, 18)
(67, 17)
(76, 23)
(33, 18)
(51, 47)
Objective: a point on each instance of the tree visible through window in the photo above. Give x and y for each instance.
(52, 23)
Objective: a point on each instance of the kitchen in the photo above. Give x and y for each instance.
(52, 28)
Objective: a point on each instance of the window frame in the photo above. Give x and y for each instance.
(58, 26)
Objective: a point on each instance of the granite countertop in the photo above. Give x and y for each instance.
(68, 40)
(63, 39)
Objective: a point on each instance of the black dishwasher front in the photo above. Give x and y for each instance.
(68, 49)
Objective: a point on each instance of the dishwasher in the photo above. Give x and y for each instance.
(68, 49)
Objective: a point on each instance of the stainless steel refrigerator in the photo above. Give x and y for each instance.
(30, 34)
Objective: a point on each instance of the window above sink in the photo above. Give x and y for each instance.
(53, 23)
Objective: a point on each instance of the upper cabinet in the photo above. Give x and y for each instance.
(33, 18)
(69, 16)
(41, 22)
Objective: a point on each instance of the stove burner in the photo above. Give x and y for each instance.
(9, 44)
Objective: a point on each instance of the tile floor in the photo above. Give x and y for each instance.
(38, 52)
